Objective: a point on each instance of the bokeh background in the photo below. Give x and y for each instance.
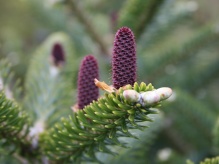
(177, 46)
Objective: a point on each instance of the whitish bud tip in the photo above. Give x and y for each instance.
(150, 97)
(164, 92)
(54, 71)
(131, 95)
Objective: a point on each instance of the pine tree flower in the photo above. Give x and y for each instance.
(124, 58)
(87, 90)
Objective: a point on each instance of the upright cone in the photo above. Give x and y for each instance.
(87, 90)
(124, 58)
(58, 55)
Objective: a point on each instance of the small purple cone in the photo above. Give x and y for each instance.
(124, 58)
(58, 55)
(87, 90)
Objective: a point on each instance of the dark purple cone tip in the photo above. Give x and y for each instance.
(87, 90)
(58, 55)
(124, 58)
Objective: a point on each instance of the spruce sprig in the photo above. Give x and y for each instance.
(14, 125)
(98, 126)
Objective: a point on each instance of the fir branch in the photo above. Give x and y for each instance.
(14, 127)
(83, 18)
(195, 73)
(167, 18)
(177, 140)
(140, 10)
(139, 149)
(96, 127)
(7, 81)
(45, 81)
(191, 114)
(205, 36)
(195, 81)
(214, 160)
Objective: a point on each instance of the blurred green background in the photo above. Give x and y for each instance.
(177, 46)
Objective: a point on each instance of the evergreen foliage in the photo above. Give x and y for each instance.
(214, 160)
(184, 52)
(99, 125)
(197, 117)
(14, 125)
(46, 84)
(129, 156)
(176, 46)
(138, 10)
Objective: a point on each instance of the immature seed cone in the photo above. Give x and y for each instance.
(87, 90)
(58, 55)
(124, 58)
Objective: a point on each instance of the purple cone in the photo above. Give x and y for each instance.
(87, 90)
(58, 55)
(124, 58)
